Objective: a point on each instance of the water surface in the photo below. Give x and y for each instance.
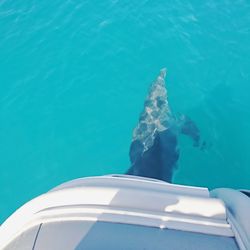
(74, 75)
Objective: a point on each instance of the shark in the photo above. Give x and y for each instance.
(154, 150)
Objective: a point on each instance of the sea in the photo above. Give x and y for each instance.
(74, 76)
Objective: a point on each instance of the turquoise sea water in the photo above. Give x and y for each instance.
(74, 75)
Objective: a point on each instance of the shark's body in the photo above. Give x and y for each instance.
(154, 149)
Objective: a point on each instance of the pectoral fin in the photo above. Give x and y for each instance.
(189, 128)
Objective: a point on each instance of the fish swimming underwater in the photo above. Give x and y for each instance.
(154, 151)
